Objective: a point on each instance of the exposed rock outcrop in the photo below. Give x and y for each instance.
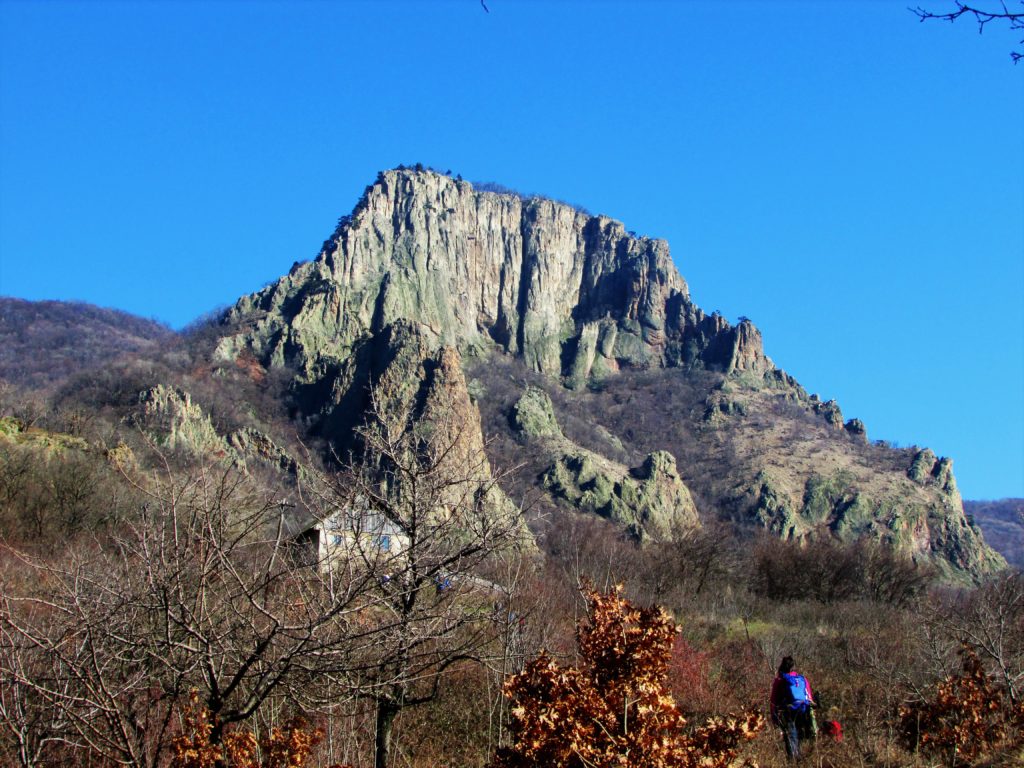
(774, 509)
(856, 428)
(829, 411)
(574, 295)
(419, 397)
(651, 501)
(719, 407)
(534, 415)
(839, 506)
(427, 263)
(928, 469)
(174, 422)
(170, 417)
(254, 443)
(428, 272)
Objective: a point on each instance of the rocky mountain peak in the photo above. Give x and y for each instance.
(574, 295)
(430, 276)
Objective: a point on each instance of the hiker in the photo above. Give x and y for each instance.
(792, 708)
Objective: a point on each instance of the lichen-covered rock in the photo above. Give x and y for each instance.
(249, 442)
(836, 502)
(927, 468)
(665, 503)
(411, 388)
(651, 501)
(719, 407)
(573, 294)
(774, 509)
(176, 423)
(836, 507)
(943, 473)
(829, 411)
(922, 465)
(428, 270)
(534, 416)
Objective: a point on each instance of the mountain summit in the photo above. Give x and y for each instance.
(573, 295)
(589, 362)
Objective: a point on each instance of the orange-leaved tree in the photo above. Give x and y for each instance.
(967, 716)
(282, 747)
(614, 707)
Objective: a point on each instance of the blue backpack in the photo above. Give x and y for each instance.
(800, 699)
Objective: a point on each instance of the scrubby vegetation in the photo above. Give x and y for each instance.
(501, 189)
(876, 636)
(150, 616)
(880, 643)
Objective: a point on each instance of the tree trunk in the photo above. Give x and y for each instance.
(386, 713)
(217, 740)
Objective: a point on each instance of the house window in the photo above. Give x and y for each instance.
(384, 542)
(336, 539)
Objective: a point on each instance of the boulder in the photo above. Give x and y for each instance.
(534, 415)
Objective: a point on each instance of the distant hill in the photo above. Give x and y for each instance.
(42, 343)
(1002, 522)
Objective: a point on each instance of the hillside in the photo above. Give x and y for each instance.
(680, 408)
(42, 343)
(1002, 522)
(331, 455)
(592, 369)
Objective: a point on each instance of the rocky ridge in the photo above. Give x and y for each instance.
(429, 272)
(651, 500)
(173, 422)
(574, 295)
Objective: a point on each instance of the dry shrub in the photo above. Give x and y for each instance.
(614, 705)
(966, 716)
(287, 746)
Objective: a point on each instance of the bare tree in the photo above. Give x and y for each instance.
(424, 472)
(203, 591)
(982, 16)
(991, 620)
(31, 727)
(200, 592)
(694, 561)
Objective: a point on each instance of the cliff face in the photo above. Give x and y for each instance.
(429, 274)
(573, 295)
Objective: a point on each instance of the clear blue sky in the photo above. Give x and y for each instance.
(849, 178)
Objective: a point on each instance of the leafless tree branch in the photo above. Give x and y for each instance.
(981, 16)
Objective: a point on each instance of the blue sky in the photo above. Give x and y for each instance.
(849, 178)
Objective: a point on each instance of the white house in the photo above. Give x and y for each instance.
(343, 534)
